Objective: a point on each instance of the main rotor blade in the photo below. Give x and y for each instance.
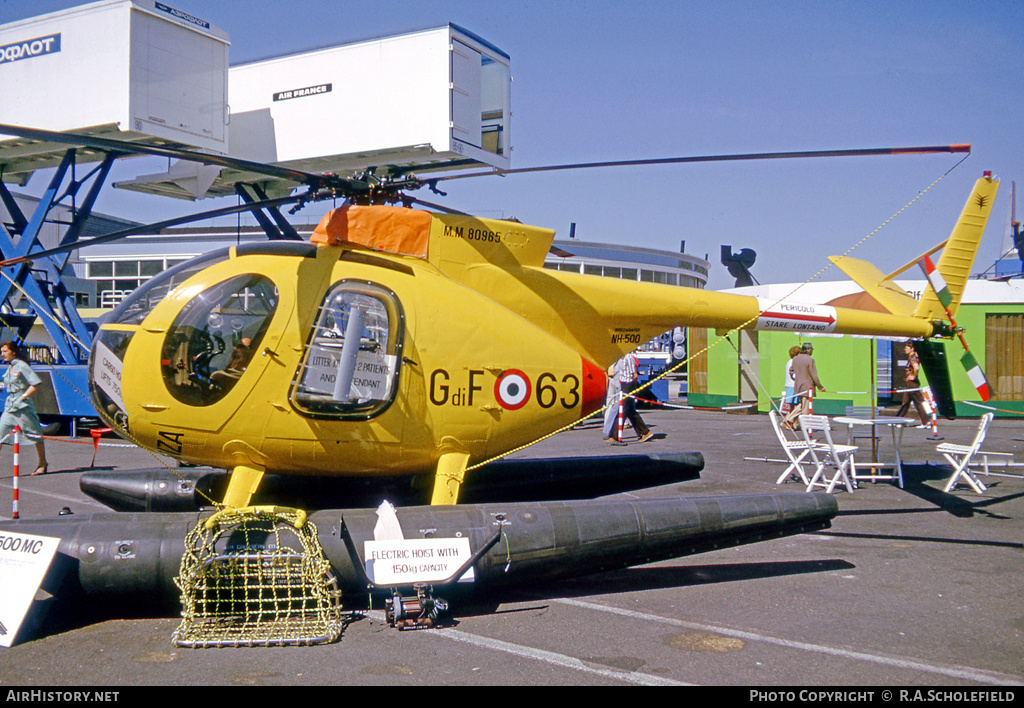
(408, 201)
(151, 228)
(125, 146)
(724, 158)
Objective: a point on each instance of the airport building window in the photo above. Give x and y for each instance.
(134, 309)
(101, 269)
(116, 279)
(621, 273)
(351, 364)
(1004, 355)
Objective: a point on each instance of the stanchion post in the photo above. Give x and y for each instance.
(934, 413)
(617, 432)
(16, 464)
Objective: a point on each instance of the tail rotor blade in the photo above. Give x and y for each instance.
(970, 364)
(975, 373)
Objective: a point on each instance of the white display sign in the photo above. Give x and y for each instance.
(322, 369)
(24, 560)
(795, 317)
(416, 560)
(106, 372)
(372, 377)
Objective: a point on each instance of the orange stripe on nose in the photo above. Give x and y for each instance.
(595, 383)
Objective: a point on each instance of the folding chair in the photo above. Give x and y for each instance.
(791, 447)
(838, 457)
(962, 457)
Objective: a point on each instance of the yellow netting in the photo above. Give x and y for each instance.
(256, 577)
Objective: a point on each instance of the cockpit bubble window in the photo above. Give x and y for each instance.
(351, 364)
(141, 302)
(209, 346)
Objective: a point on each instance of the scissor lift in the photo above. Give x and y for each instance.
(36, 291)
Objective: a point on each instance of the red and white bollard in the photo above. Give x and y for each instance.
(17, 451)
(934, 412)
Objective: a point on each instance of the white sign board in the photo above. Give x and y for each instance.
(24, 560)
(373, 376)
(795, 317)
(106, 372)
(322, 368)
(416, 560)
(371, 380)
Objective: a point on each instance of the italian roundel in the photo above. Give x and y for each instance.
(512, 389)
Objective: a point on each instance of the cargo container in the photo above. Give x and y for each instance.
(437, 96)
(138, 70)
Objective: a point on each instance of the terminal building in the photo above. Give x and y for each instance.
(117, 269)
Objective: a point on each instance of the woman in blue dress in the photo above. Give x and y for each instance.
(21, 383)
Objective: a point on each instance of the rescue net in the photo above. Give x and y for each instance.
(256, 577)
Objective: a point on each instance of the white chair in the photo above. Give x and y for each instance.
(791, 447)
(828, 454)
(963, 456)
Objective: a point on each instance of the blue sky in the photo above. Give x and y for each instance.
(601, 80)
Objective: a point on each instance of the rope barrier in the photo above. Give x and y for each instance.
(992, 408)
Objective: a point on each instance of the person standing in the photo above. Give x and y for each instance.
(627, 370)
(805, 380)
(912, 382)
(22, 383)
(611, 403)
(787, 397)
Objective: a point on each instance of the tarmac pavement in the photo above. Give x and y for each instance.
(910, 587)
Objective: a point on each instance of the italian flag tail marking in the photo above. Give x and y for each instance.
(975, 374)
(937, 282)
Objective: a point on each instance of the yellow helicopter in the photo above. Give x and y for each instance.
(401, 341)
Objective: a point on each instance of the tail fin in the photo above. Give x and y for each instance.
(954, 265)
(958, 256)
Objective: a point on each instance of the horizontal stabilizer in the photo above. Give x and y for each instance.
(888, 294)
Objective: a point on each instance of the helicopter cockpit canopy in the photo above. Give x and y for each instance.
(111, 342)
(210, 343)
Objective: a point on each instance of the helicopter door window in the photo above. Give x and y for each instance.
(208, 347)
(350, 368)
